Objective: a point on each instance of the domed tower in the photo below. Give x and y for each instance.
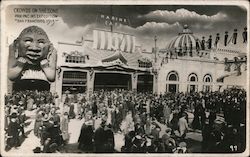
(185, 44)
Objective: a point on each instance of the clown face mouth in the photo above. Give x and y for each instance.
(34, 55)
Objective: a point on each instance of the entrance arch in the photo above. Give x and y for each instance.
(145, 83)
(110, 81)
(207, 80)
(193, 80)
(74, 82)
(172, 85)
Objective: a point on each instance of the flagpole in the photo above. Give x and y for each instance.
(111, 13)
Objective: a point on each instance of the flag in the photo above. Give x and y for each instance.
(105, 40)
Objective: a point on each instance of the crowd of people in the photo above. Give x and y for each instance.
(149, 122)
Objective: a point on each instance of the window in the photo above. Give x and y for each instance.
(207, 87)
(74, 81)
(193, 77)
(172, 87)
(172, 76)
(143, 64)
(192, 87)
(207, 78)
(75, 59)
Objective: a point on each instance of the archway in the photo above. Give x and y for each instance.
(193, 86)
(207, 79)
(145, 83)
(110, 81)
(172, 85)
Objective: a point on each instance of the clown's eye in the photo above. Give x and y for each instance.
(41, 42)
(28, 41)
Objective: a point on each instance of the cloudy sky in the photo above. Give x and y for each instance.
(144, 21)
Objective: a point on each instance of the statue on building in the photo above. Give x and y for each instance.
(217, 38)
(32, 56)
(244, 35)
(226, 37)
(203, 43)
(209, 42)
(235, 36)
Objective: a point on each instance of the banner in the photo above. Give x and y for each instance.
(105, 40)
(110, 20)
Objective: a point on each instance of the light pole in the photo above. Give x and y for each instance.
(155, 39)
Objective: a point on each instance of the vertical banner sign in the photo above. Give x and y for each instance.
(105, 40)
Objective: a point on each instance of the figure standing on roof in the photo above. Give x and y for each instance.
(244, 35)
(226, 37)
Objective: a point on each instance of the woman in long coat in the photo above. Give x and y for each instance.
(65, 127)
(38, 123)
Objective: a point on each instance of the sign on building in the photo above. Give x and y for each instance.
(110, 20)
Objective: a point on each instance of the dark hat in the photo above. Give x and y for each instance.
(65, 113)
(37, 150)
(13, 115)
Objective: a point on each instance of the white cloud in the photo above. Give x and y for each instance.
(152, 28)
(158, 26)
(183, 15)
(145, 34)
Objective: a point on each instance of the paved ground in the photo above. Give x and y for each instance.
(193, 138)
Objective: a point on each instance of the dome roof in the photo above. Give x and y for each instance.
(184, 39)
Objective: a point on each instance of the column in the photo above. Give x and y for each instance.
(200, 86)
(182, 87)
(58, 83)
(155, 85)
(90, 82)
(134, 78)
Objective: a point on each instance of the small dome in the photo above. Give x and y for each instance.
(185, 39)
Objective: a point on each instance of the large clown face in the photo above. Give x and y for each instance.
(34, 46)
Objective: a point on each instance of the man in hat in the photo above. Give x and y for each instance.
(45, 125)
(13, 132)
(22, 118)
(99, 136)
(183, 125)
(85, 139)
(110, 140)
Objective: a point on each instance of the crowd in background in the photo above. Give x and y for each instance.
(149, 122)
